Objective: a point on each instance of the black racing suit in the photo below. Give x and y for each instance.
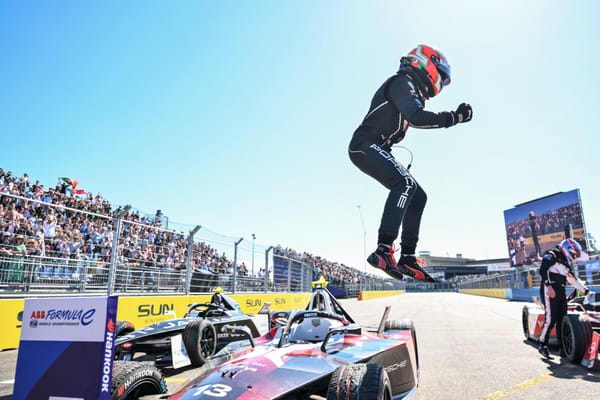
(396, 105)
(534, 235)
(555, 271)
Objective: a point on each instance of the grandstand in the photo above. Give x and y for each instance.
(60, 240)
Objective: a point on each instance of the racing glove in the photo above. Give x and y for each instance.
(550, 290)
(463, 113)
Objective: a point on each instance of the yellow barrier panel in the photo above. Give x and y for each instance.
(252, 303)
(143, 311)
(367, 295)
(11, 315)
(499, 293)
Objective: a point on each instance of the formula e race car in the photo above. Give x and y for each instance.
(580, 328)
(189, 340)
(318, 352)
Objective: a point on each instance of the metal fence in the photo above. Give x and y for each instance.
(529, 277)
(55, 248)
(39, 274)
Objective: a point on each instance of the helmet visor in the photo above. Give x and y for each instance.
(443, 68)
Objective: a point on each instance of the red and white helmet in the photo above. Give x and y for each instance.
(571, 249)
(433, 63)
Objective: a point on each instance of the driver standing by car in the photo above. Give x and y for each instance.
(556, 272)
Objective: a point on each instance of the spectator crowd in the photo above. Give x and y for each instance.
(61, 223)
(334, 272)
(56, 223)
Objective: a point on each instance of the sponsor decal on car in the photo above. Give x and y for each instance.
(167, 325)
(132, 378)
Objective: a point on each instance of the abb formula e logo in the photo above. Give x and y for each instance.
(62, 317)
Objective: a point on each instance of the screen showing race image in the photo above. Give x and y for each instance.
(539, 225)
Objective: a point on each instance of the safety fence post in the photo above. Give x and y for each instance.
(190, 256)
(114, 254)
(235, 251)
(267, 268)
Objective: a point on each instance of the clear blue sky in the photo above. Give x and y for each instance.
(236, 115)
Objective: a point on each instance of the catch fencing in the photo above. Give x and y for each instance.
(58, 249)
(528, 277)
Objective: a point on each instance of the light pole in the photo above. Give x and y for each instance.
(362, 221)
(253, 239)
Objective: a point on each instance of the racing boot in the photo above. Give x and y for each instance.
(543, 349)
(383, 258)
(414, 267)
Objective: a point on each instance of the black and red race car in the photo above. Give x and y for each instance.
(580, 328)
(188, 340)
(318, 352)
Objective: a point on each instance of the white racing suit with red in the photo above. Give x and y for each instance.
(556, 272)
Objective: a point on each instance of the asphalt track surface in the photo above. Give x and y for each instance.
(470, 347)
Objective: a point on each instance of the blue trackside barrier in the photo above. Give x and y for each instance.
(528, 294)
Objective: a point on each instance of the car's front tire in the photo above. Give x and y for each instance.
(576, 335)
(359, 381)
(132, 379)
(525, 320)
(200, 340)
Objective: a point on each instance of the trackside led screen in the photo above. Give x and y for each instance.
(539, 225)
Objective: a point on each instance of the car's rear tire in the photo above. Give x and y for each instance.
(576, 335)
(359, 381)
(405, 324)
(399, 324)
(132, 379)
(525, 320)
(200, 341)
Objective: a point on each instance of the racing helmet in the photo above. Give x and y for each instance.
(217, 290)
(570, 249)
(432, 63)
